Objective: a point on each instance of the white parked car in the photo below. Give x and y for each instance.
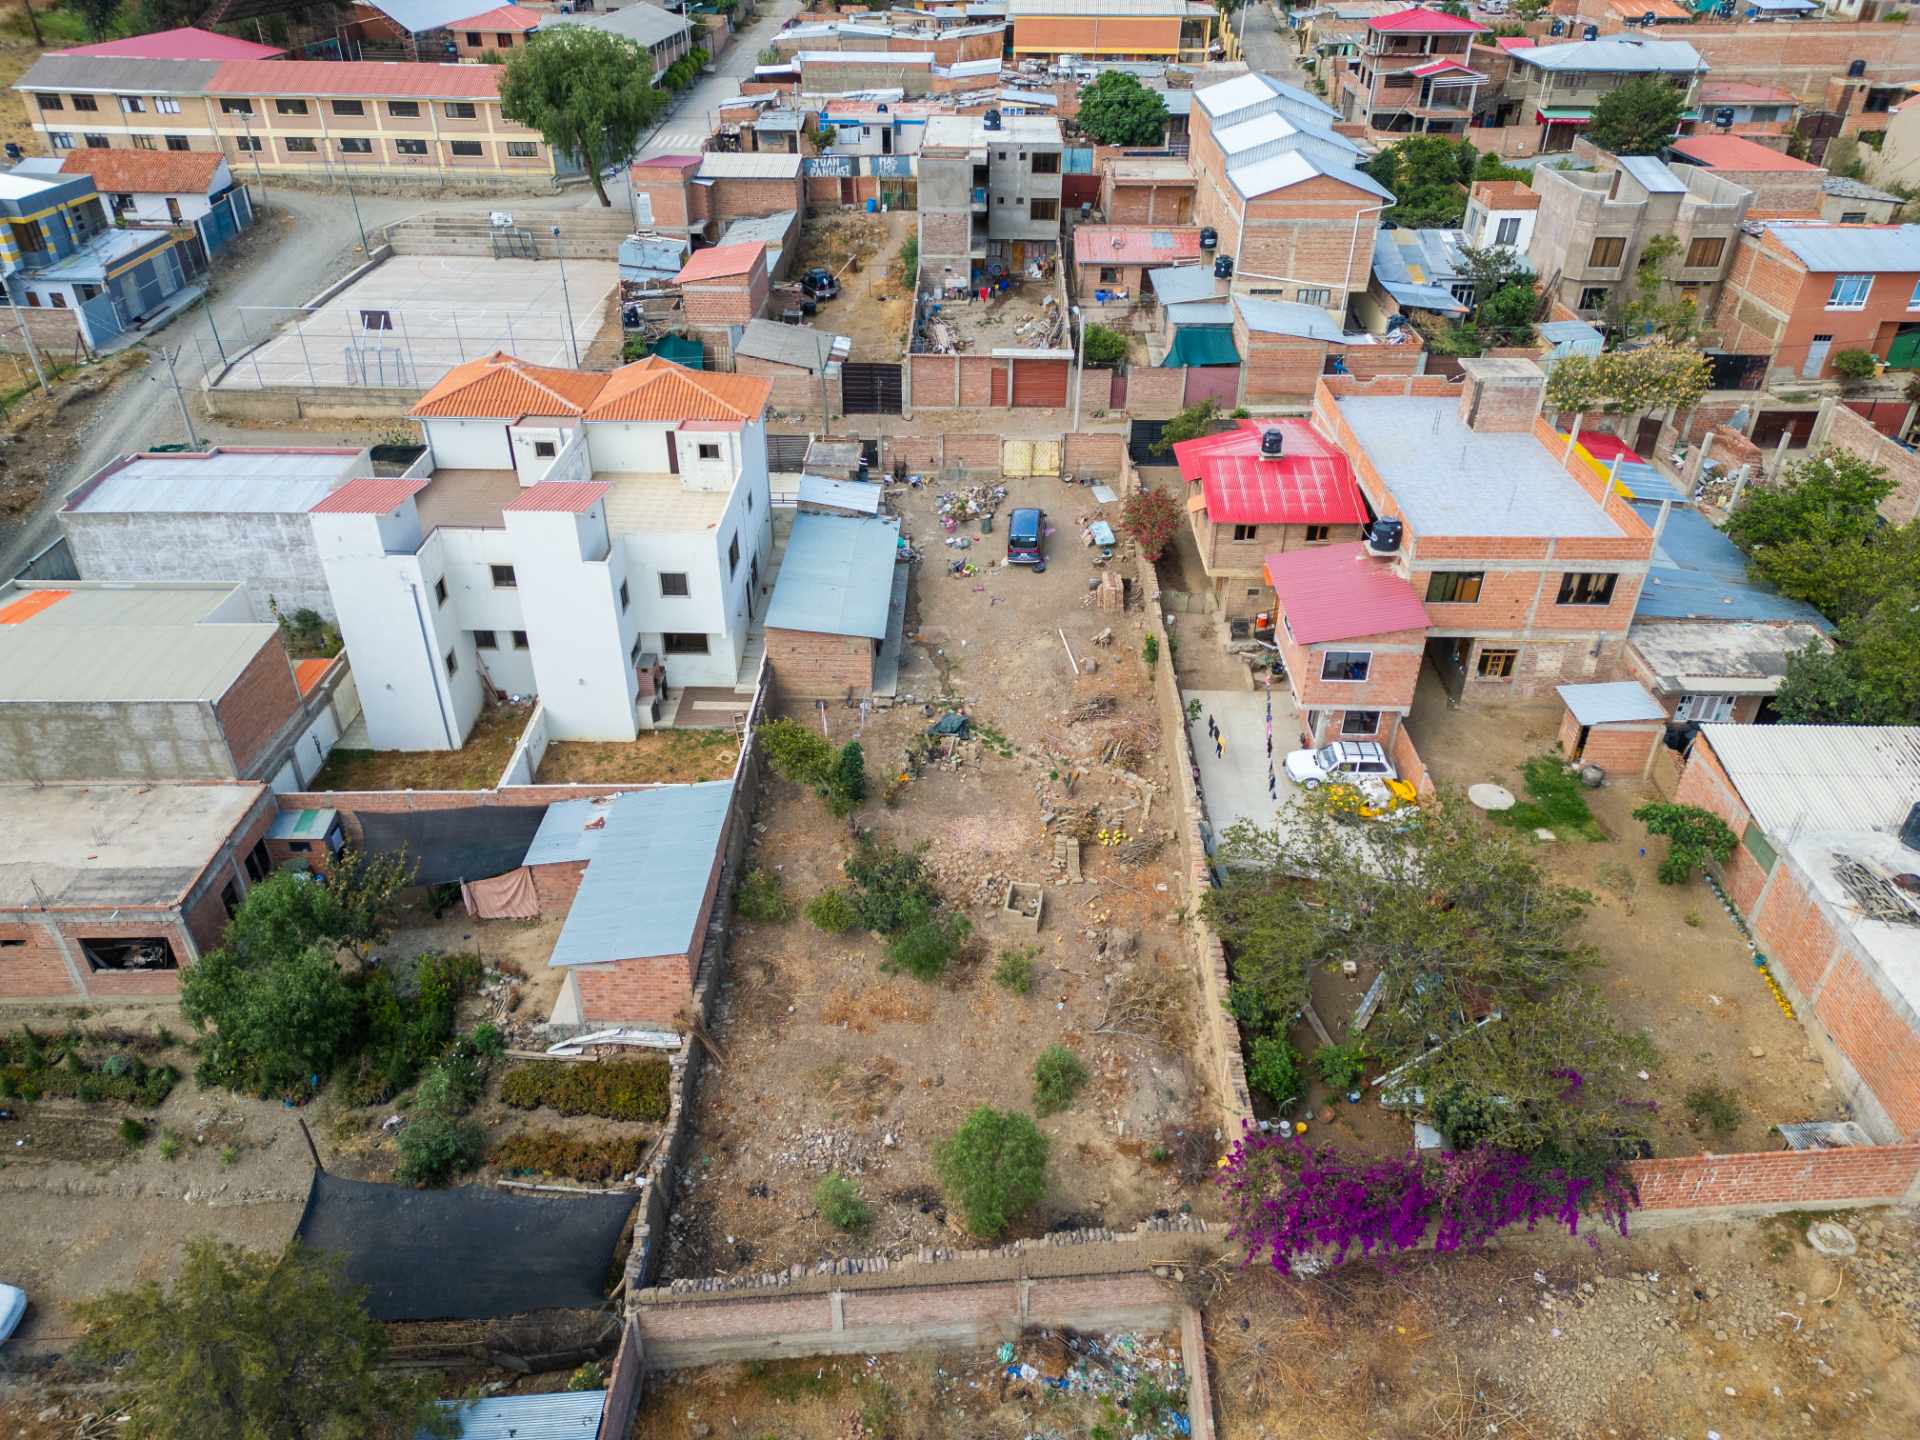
(1349, 761)
(13, 1308)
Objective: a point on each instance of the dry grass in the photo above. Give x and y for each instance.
(476, 765)
(659, 756)
(860, 1007)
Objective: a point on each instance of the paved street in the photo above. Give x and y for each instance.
(1266, 41)
(686, 127)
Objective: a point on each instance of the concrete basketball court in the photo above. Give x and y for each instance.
(438, 312)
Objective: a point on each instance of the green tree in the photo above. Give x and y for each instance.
(1639, 118)
(1694, 836)
(1648, 311)
(1428, 175)
(1509, 312)
(1870, 678)
(589, 93)
(993, 1168)
(1116, 109)
(99, 15)
(1629, 381)
(245, 1346)
(1102, 346)
(1818, 536)
(1273, 1069)
(1191, 423)
(271, 1023)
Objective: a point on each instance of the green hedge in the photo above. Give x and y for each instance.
(570, 1157)
(610, 1089)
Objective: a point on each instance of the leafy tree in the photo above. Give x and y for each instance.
(1259, 918)
(1638, 118)
(1116, 109)
(1492, 268)
(275, 1021)
(993, 1168)
(1429, 175)
(1509, 311)
(1102, 346)
(1818, 536)
(1152, 518)
(588, 92)
(246, 1344)
(849, 777)
(1694, 837)
(894, 892)
(1646, 311)
(1528, 11)
(99, 15)
(350, 906)
(1628, 381)
(1190, 424)
(1870, 679)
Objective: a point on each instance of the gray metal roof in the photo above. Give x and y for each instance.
(785, 344)
(1652, 173)
(418, 16)
(836, 577)
(1855, 190)
(1611, 702)
(1286, 317)
(1183, 284)
(1618, 56)
(570, 830)
(1243, 91)
(770, 230)
(111, 74)
(642, 24)
(1850, 248)
(1201, 312)
(736, 165)
(563, 1415)
(643, 889)
(1450, 480)
(1821, 777)
(128, 643)
(1263, 177)
(840, 494)
(1569, 332)
(225, 482)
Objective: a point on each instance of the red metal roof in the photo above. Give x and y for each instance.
(1310, 484)
(185, 43)
(1135, 244)
(574, 497)
(377, 79)
(369, 495)
(722, 262)
(1731, 152)
(1604, 447)
(1445, 67)
(1426, 22)
(1511, 43)
(308, 673)
(1339, 592)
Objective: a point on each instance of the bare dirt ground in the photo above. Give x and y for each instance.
(1732, 1330)
(654, 757)
(829, 1063)
(875, 305)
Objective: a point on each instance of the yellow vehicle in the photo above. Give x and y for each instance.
(1371, 799)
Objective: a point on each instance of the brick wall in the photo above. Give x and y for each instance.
(798, 391)
(1126, 202)
(732, 301)
(1104, 454)
(654, 989)
(557, 884)
(259, 704)
(1780, 1179)
(1622, 749)
(1407, 761)
(1844, 430)
(813, 666)
(732, 199)
(31, 965)
(1154, 393)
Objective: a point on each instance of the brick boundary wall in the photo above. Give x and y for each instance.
(1845, 430)
(1727, 1185)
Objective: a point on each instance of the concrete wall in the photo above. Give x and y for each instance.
(113, 740)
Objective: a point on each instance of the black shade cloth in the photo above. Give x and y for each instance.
(465, 1253)
(455, 845)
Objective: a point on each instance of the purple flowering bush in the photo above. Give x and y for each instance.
(1289, 1198)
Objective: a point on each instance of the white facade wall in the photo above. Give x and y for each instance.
(468, 444)
(567, 462)
(483, 604)
(152, 209)
(1482, 226)
(628, 449)
(581, 639)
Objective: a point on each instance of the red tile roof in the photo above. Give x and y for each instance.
(378, 79)
(721, 262)
(308, 673)
(1425, 22)
(1310, 484)
(1339, 592)
(1731, 152)
(507, 17)
(656, 389)
(1444, 67)
(1135, 244)
(369, 495)
(500, 387)
(146, 172)
(185, 43)
(574, 497)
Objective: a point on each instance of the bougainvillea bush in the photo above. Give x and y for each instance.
(1290, 1199)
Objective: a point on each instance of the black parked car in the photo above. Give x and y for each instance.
(819, 284)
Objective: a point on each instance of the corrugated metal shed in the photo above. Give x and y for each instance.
(758, 165)
(643, 890)
(1653, 175)
(799, 345)
(1610, 702)
(1851, 248)
(1339, 592)
(1286, 317)
(1821, 777)
(564, 1415)
(1183, 284)
(836, 578)
(839, 494)
(1698, 573)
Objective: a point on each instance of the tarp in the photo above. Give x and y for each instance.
(1202, 345)
(467, 1253)
(455, 845)
(505, 897)
(681, 351)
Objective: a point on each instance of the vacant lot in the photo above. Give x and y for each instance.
(656, 757)
(828, 1062)
(875, 307)
(476, 765)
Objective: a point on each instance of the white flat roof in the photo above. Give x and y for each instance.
(221, 481)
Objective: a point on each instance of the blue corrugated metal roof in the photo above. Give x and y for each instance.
(566, 1415)
(644, 886)
(569, 832)
(840, 494)
(1286, 317)
(836, 577)
(1183, 284)
(1654, 177)
(1698, 573)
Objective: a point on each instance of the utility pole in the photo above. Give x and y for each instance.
(33, 352)
(179, 395)
(34, 21)
(1079, 365)
(573, 344)
(347, 175)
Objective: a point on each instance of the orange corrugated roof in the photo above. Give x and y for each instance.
(502, 386)
(358, 78)
(722, 262)
(656, 389)
(30, 605)
(307, 673)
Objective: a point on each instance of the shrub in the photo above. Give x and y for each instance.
(170, 1146)
(848, 786)
(1150, 650)
(759, 898)
(1057, 1078)
(1715, 1107)
(610, 1089)
(832, 912)
(894, 892)
(993, 1169)
(926, 950)
(132, 1132)
(1853, 366)
(1694, 837)
(1341, 1066)
(840, 1203)
(1015, 970)
(1253, 1009)
(570, 1157)
(436, 1146)
(795, 752)
(1274, 1070)
(1103, 347)
(1152, 518)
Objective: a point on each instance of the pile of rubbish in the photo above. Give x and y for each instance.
(978, 502)
(1137, 1378)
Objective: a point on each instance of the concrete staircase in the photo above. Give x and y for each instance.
(584, 234)
(756, 648)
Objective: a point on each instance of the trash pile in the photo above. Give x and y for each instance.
(977, 502)
(1135, 1380)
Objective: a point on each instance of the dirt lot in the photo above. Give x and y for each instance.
(476, 765)
(875, 307)
(1738, 1331)
(830, 1063)
(658, 756)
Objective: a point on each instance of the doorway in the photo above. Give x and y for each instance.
(1448, 654)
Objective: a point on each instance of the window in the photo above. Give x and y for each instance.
(52, 102)
(1593, 298)
(290, 107)
(404, 109)
(485, 640)
(1319, 534)
(1704, 708)
(410, 147)
(59, 140)
(473, 39)
(1508, 232)
(89, 103)
(453, 665)
(180, 142)
(1879, 101)
(163, 106)
(1109, 275)
(1245, 532)
(503, 40)
(148, 952)
(356, 145)
(440, 591)
(544, 449)
(122, 202)
(1048, 164)
(1314, 295)
(97, 141)
(459, 110)
(466, 149)
(236, 107)
(1351, 665)
(1849, 292)
(1360, 722)
(1913, 300)
(349, 107)
(1853, 217)
(1705, 252)
(733, 557)
(521, 149)
(684, 644)
(673, 584)
(1497, 664)
(1607, 253)
(709, 450)
(1577, 588)
(633, 655)
(300, 144)
(143, 142)
(1454, 587)
(245, 144)
(625, 596)
(1044, 210)
(258, 865)
(503, 577)
(519, 639)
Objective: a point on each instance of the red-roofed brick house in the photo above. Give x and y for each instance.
(154, 187)
(1117, 257)
(494, 32)
(721, 290)
(1414, 74)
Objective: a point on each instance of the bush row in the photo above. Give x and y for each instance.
(610, 1089)
(570, 1157)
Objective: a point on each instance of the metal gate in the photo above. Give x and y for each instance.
(997, 388)
(1040, 384)
(787, 452)
(870, 389)
(1142, 436)
(1022, 459)
(1736, 372)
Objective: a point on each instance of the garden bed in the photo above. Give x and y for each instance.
(476, 765)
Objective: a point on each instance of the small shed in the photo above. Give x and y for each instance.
(831, 607)
(1614, 725)
(835, 459)
(821, 496)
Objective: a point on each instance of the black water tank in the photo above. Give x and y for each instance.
(1222, 267)
(1209, 237)
(990, 120)
(1590, 32)
(1273, 444)
(1383, 536)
